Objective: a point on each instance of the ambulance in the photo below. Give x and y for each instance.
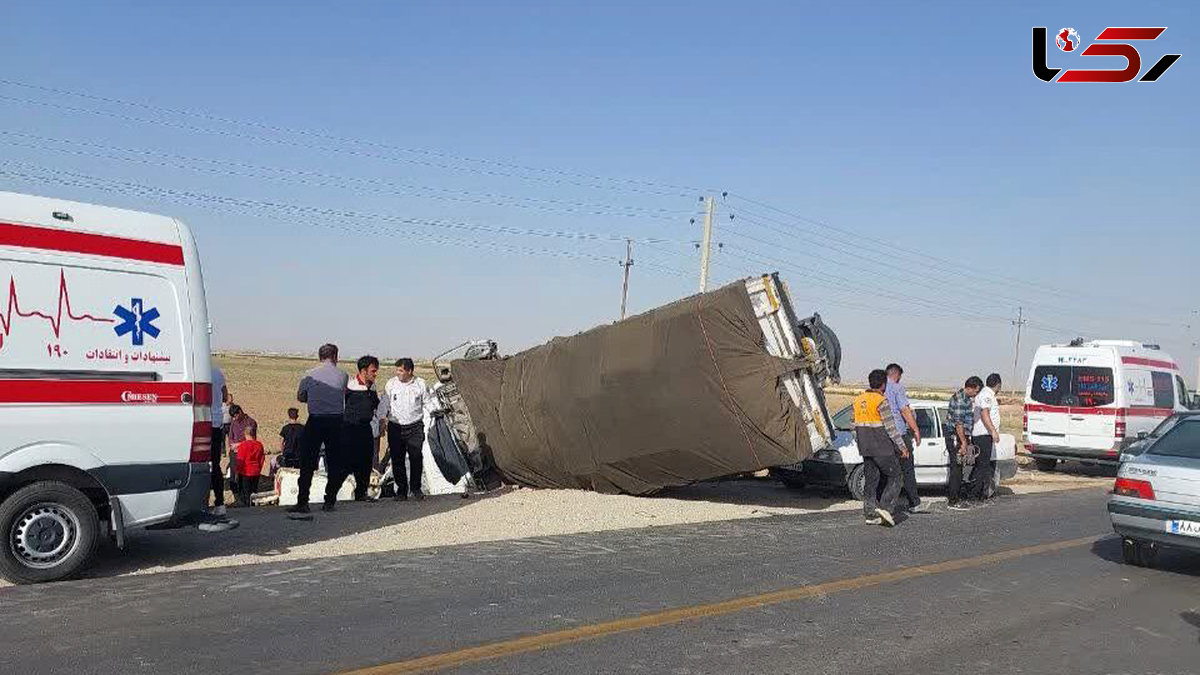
(1087, 400)
(105, 381)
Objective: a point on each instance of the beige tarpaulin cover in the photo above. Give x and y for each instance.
(682, 393)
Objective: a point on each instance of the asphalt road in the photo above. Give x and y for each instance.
(1031, 584)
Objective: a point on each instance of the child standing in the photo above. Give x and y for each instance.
(289, 443)
(249, 465)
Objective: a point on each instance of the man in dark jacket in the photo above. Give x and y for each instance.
(358, 442)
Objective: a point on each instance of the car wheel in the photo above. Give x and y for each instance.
(790, 479)
(50, 532)
(1045, 464)
(857, 482)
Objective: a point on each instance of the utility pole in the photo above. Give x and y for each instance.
(1017, 351)
(627, 264)
(706, 244)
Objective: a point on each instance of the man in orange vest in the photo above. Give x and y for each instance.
(881, 445)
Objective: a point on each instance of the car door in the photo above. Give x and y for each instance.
(931, 451)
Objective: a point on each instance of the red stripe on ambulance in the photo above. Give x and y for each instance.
(101, 392)
(47, 239)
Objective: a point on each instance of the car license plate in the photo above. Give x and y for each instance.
(1187, 528)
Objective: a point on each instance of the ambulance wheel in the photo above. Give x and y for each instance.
(50, 532)
(856, 482)
(1045, 463)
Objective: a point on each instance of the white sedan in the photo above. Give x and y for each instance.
(842, 466)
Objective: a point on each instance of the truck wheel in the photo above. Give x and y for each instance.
(1045, 464)
(856, 482)
(50, 531)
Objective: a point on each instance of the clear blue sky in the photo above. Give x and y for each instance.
(921, 128)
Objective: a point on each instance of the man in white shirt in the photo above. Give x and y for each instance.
(406, 395)
(219, 394)
(984, 436)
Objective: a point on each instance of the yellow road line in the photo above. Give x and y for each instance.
(542, 641)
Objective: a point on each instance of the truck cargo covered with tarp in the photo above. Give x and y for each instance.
(716, 384)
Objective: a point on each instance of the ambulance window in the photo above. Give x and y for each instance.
(1050, 384)
(1164, 390)
(1091, 387)
(1184, 399)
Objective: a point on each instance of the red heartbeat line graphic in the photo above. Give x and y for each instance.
(56, 320)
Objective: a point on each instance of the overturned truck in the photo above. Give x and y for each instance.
(720, 383)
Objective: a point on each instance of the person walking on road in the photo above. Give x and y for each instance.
(960, 421)
(985, 435)
(323, 389)
(219, 393)
(906, 421)
(406, 394)
(881, 446)
(357, 440)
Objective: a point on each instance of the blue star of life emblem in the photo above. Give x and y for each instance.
(1131, 387)
(137, 321)
(1049, 383)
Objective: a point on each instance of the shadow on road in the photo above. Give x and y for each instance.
(764, 492)
(1170, 560)
(1192, 619)
(265, 531)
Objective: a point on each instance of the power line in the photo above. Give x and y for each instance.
(945, 284)
(892, 249)
(358, 228)
(354, 215)
(322, 179)
(341, 149)
(337, 138)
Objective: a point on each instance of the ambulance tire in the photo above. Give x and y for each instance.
(1045, 463)
(60, 520)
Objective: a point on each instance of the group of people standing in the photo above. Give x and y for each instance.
(887, 434)
(345, 417)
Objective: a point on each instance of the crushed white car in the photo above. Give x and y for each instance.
(842, 466)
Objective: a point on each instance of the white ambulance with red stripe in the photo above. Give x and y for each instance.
(105, 381)
(1086, 400)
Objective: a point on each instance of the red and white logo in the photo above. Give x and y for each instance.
(1112, 41)
(1067, 40)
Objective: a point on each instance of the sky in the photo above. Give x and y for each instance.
(398, 177)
